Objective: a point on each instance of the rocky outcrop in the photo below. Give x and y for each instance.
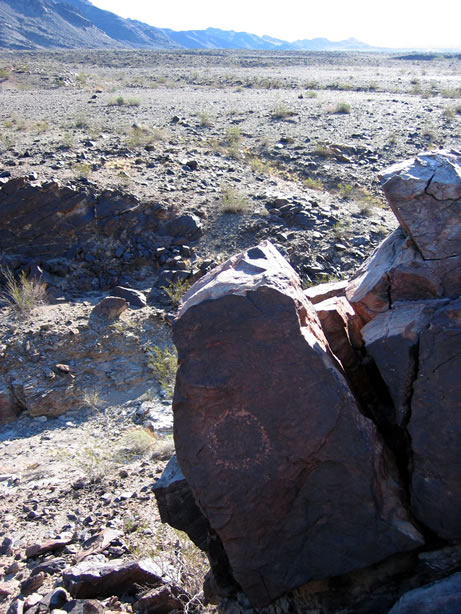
(293, 449)
(79, 230)
(313, 438)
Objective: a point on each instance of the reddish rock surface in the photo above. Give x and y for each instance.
(91, 579)
(110, 307)
(294, 480)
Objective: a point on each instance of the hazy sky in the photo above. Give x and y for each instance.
(393, 23)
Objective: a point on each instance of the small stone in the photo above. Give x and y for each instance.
(33, 583)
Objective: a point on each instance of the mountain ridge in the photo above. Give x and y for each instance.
(67, 24)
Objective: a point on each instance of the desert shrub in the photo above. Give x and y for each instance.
(204, 120)
(4, 74)
(82, 169)
(176, 289)
(233, 136)
(451, 92)
(281, 111)
(24, 293)
(322, 150)
(313, 184)
(94, 459)
(120, 101)
(92, 399)
(343, 108)
(232, 201)
(134, 444)
(163, 362)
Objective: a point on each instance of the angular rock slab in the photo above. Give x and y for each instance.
(290, 475)
(396, 271)
(435, 425)
(425, 195)
(392, 340)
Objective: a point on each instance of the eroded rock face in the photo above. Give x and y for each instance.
(293, 479)
(422, 259)
(425, 195)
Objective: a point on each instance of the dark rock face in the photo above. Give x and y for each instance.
(443, 597)
(392, 340)
(177, 505)
(287, 442)
(435, 425)
(94, 237)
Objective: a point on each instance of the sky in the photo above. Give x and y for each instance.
(390, 23)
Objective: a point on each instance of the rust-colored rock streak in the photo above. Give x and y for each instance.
(291, 476)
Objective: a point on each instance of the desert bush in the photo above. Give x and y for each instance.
(134, 444)
(313, 184)
(120, 101)
(81, 169)
(345, 190)
(163, 362)
(342, 108)
(4, 74)
(322, 150)
(233, 136)
(281, 111)
(94, 459)
(232, 201)
(176, 289)
(92, 399)
(22, 294)
(204, 120)
(451, 92)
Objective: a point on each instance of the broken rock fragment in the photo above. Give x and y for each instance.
(293, 479)
(90, 579)
(425, 195)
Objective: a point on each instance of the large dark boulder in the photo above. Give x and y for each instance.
(294, 480)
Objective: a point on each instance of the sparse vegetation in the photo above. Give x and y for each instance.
(163, 362)
(92, 399)
(82, 169)
(4, 74)
(232, 201)
(204, 120)
(313, 184)
(176, 289)
(120, 101)
(24, 293)
(342, 108)
(282, 111)
(135, 443)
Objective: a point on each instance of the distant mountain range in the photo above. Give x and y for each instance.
(70, 24)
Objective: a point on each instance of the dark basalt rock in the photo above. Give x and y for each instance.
(264, 421)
